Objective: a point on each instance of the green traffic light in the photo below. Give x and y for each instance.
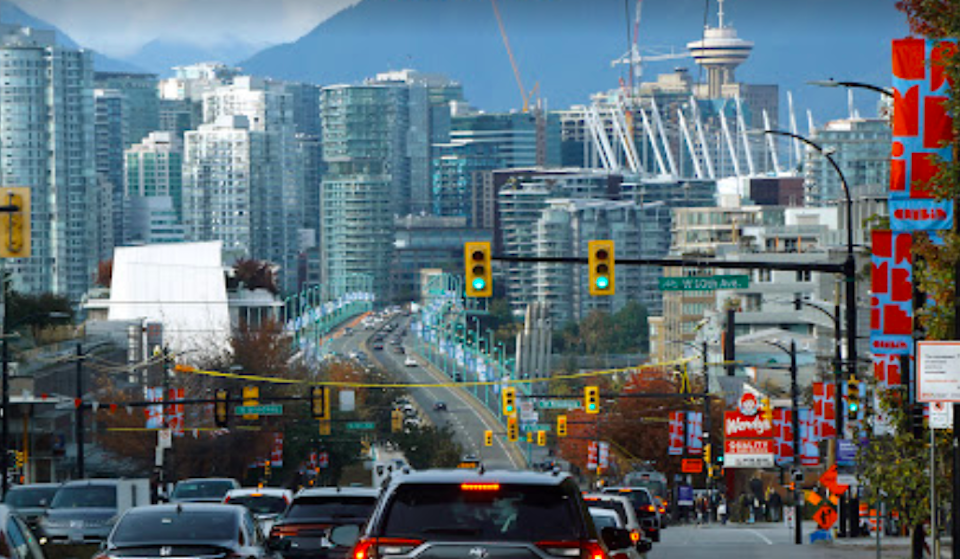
(603, 282)
(479, 284)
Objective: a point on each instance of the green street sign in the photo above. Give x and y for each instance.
(704, 283)
(360, 426)
(266, 409)
(558, 404)
(533, 427)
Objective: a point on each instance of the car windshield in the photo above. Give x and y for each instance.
(261, 504)
(331, 506)
(202, 489)
(85, 496)
(638, 498)
(24, 497)
(508, 513)
(172, 526)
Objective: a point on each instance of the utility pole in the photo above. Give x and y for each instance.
(838, 407)
(706, 414)
(78, 412)
(729, 342)
(797, 492)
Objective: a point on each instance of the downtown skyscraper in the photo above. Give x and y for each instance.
(47, 144)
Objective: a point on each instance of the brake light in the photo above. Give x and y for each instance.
(375, 548)
(634, 536)
(651, 508)
(479, 486)
(573, 549)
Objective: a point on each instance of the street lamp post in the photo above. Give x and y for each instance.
(795, 425)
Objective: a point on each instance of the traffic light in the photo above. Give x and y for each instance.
(324, 427)
(266, 469)
(396, 421)
(561, 426)
(478, 270)
(916, 420)
(601, 265)
(251, 397)
(221, 409)
(591, 399)
(541, 438)
(488, 438)
(513, 429)
(15, 222)
(320, 402)
(706, 453)
(509, 401)
(853, 399)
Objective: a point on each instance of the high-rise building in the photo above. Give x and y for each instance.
(110, 130)
(181, 97)
(221, 184)
(482, 142)
(141, 102)
(277, 197)
(154, 169)
(47, 144)
(366, 182)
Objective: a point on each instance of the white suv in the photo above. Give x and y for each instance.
(624, 509)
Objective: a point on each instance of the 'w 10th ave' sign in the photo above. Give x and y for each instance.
(704, 283)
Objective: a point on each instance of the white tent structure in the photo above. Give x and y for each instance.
(180, 285)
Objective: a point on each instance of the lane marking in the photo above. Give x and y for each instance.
(761, 536)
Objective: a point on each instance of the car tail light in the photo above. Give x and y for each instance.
(634, 536)
(375, 548)
(577, 549)
(281, 531)
(651, 508)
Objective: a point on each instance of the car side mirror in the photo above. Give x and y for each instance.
(616, 538)
(345, 535)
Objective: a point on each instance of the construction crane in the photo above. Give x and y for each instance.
(636, 60)
(513, 61)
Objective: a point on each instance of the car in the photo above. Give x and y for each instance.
(301, 531)
(439, 406)
(265, 503)
(378, 346)
(84, 511)
(606, 518)
(477, 513)
(410, 362)
(203, 490)
(19, 541)
(399, 349)
(644, 507)
(628, 516)
(186, 530)
(30, 501)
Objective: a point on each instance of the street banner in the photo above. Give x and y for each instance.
(276, 453)
(694, 433)
(891, 309)
(592, 455)
(886, 369)
(824, 407)
(783, 436)
(154, 413)
(675, 447)
(809, 443)
(604, 452)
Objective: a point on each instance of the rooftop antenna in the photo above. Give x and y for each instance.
(720, 14)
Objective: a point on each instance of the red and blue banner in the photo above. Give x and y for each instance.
(782, 436)
(824, 409)
(891, 308)
(675, 447)
(694, 433)
(922, 133)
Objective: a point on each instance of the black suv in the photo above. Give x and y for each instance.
(301, 531)
(473, 514)
(644, 506)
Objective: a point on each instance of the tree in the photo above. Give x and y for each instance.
(104, 273)
(256, 274)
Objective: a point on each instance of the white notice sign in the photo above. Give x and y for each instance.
(941, 415)
(938, 371)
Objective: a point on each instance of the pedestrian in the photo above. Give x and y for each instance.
(722, 511)
(698, 505)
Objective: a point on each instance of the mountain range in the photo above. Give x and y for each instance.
(565, 46)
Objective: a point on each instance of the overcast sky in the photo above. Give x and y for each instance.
(120, 27)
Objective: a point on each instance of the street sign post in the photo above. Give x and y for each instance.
(558, 404)
(704, 283)
(266, 409)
